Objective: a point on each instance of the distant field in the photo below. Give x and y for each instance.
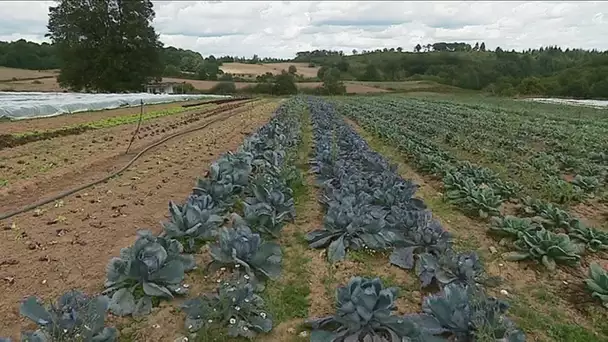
(8, 74)
(260, 69)
(351, 87)
(408, 86)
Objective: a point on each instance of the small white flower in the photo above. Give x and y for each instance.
(237, 266)
(190, 326)
(246, 300)
(219, 281)
(198, 316)
(263, 315)
(65, 331)
(232, 321)
(223, 269)
(186, 286)
(210, 321)
(214, 310)
(234, 299)
(237, 308)
(399, 321)
(245, 328)
(246, 277)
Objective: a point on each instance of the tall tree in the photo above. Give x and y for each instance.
(417, 48)
(105, 45)
(482, 47)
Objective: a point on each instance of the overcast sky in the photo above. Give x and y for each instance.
(281, 28)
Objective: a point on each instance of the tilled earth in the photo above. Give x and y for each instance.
(67, 244)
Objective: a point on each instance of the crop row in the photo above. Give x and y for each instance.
(563, 159)
(237, 209)
(539, 231)
(369, 206)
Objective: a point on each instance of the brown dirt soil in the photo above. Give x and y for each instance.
(40, 166)
(55, 122)
(275, 68)
(593, 213)
(67, 245)
(518, 278)
(7, 74)
(45, 84)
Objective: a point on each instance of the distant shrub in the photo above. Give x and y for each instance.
(227, 87)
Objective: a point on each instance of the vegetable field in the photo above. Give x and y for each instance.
(366, 219)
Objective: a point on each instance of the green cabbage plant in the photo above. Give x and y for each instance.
(512, 226)
(593, 239)
(270, 207)
(239, 247)
(192, 225)
(597, 283)
(364, 312)
(547, 247)
(450, 267)
(235, 305)
(227, 177)
(153, 267)
(74, 317)
(467, 314)
(471, 198)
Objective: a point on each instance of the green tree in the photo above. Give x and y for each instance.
(284, 84)
(221, 88)
(417, 48)
(331, 82)
(371, 73)
(482, 47)
(105, 45)
(292, 69)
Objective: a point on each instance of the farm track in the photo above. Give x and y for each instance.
(41, 165)
(67, 245)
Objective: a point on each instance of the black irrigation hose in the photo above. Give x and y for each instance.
(116, 173)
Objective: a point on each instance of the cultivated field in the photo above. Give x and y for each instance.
(11, 74)
(470, 199)
(512, 181)
(351, 87)
(244, 69)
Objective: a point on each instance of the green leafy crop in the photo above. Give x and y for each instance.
(547, 247)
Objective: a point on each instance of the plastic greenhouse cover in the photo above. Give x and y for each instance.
(25, 105)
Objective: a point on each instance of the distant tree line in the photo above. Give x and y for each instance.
(550, 71)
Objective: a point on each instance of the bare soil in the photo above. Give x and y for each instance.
(66, 245)
(9, 74)
(274, 68)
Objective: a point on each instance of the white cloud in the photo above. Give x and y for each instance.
(280, 29)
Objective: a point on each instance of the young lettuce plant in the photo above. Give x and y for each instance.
(364, 313)
(597, 283)
(239, 247)
(467, 314)
(547, 247)
(153, 267)
(425, 236)
(74, 317)
(192, 225)
(235, 304)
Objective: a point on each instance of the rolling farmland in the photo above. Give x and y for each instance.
(307, 218)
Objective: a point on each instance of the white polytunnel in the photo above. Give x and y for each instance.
(27, 105)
